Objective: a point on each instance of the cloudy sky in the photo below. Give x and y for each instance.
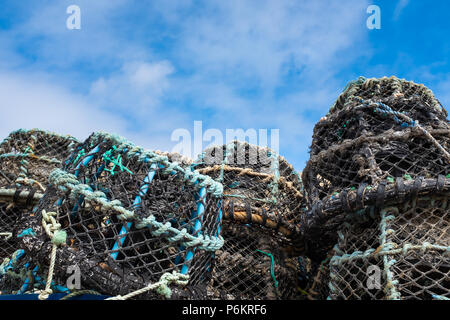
(143, 69)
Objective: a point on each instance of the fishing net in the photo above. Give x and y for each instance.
(26, 159)
(400, 251)
(378, 129)
(377, 185)
(130, 220)
(262, 202)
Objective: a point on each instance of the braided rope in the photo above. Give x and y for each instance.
(161, 287)
(10, 263)
(7, 235)
(366, 84)
(58, 237)
(381, 107)
(66, 181)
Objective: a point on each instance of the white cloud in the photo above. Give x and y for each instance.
(151, 75)
(28, 101)
(137, 87)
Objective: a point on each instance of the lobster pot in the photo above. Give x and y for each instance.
(26, 160)
(263, 201)
(252, 266)
(378, 129)
(400, 250)
(260, 187)
(130, 217)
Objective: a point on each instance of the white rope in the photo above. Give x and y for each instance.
(162, 286)
(52, 228)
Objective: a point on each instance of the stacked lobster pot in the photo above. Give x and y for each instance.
(378, 183)
(26, 159)
(132, 223)
(262, 204)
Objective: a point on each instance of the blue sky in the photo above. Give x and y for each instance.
(145, 68)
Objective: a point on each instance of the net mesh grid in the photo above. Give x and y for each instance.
(263, 198)
(377, 129)
(410, 245)
(383, 143)
(244, 270)
(374, 194)
(26, 159)
(106, 178)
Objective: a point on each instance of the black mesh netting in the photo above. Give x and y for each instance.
(26, 159)
(378, 129)
(130, 216)
(263, 201)
(369, 219)
(409, 246)
(377, 185)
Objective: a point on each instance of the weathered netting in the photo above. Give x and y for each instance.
(256, 181)
(238, 222)
(409, 243)
(262, 202)
(377, 184)
(378, 129)
(26, 159)
(128, 218)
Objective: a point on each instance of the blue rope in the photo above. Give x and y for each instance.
(385, 109)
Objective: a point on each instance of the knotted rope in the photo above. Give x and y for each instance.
(161, 287)
(58, 237)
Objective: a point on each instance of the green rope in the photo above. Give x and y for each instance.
(116, 162)
(25, 153)
(82, 153)
(272, 267)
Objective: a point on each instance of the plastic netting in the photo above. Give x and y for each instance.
(377, 129)
(26, 159)
(262, 203)
(256, 181)
(369, 219)
(127, 218)
(376, 185)
(402, 253)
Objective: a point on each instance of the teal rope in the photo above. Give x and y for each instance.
(68, 182)
(272, 266)
(27, 232)
(107, 157)
(438, 297)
